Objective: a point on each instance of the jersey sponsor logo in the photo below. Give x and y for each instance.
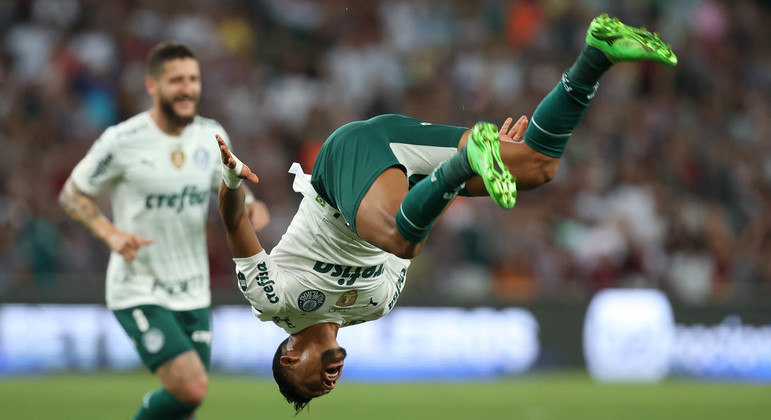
(348, 298)
(101, 168)
(153, 340)
(266, 283)
(201, 158)
(190, 195)
(310, 300)
(399, 285)
(178, 158)
(180, 286)
(345, 274)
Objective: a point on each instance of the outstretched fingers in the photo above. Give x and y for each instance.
(247, 174)
(127, 244)
(505, 127)
(142, 241)
(227, 159)
(519, 128)
(514, 133)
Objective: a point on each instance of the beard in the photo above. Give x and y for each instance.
(167, 108)
(333, 356)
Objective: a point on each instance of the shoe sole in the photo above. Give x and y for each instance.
(485, 159)
(604, 31)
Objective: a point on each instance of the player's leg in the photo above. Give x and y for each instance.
(398, 219)
(426, 201)
(185, 376)
(185, 379)
(197, 325)
(184, 384)
(376, 216)
(608, 41)
(167, 350)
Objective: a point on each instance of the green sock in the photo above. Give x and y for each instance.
(457, 169)
(428, 198)
(161, 405)
(559, 112)
(589, 67)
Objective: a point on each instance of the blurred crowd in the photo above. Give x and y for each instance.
(666, 183)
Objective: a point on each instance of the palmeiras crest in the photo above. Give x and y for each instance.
(310, 300)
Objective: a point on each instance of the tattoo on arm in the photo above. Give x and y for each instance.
(79, 206)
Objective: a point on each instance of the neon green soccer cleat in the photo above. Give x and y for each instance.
(621, 42)
(483, 151)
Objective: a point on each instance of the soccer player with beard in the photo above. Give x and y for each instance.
(376, 189)
(160, 167)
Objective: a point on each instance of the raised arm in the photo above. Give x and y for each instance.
(242, 240)
(84, 210)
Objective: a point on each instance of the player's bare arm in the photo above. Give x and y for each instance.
(84, 210)
(242, 240)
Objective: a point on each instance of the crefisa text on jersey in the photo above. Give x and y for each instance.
(263, 280)
(343, 272)
(194, 197)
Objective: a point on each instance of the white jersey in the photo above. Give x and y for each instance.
(159, 187)
(320, 271)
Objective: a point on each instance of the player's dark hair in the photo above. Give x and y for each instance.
(285, 385)
(163, 52)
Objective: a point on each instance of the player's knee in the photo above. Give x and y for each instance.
(407, 253)
(548, 170)
(539, 170)
(402, 247)
(193, 391)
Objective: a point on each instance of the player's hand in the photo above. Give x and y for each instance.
(514, 133)
(126, 244)
(258, 215)
(227, 159)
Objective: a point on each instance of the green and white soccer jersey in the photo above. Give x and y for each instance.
(159, 189)
(320, 271)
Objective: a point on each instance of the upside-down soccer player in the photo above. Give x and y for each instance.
(344, 257)
(161, 167)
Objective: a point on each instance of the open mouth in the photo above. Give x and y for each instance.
(331, 374)
(185, 101)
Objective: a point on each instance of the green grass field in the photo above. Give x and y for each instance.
(537, 396)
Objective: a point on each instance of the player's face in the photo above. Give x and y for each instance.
(316, 373)
(178, 90)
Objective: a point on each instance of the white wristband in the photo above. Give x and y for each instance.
(230, 176)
